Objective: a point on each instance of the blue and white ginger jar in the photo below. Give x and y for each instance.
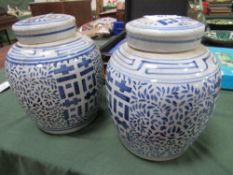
(161, 100)
(55, 73)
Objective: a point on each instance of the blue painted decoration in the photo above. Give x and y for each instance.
(59, 90)
(158, 117)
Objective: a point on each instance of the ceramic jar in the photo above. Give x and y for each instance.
(161, 86)
(55, 73)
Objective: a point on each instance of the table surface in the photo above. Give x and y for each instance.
(96, 150)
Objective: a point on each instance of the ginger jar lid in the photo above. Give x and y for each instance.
(164, 33)
(45, 28)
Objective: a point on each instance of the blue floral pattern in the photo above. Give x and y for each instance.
(163, 120)
(60, 95)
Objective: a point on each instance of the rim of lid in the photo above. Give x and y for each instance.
(160, 31)
(44, 28)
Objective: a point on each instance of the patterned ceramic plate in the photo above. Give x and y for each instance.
(220, 21)
(219, 36)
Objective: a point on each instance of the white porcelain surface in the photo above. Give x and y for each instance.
(57, 83)
(164, 33)
(161, 102)
(45, 28)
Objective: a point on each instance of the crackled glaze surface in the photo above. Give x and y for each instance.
(160, 103)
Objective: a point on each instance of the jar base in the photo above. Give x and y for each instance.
(67, 131)
(157, 159)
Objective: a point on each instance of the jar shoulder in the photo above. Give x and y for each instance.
(197, 64)
(64, 49)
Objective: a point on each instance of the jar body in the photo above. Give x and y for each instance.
(57, 83)
(161, 103)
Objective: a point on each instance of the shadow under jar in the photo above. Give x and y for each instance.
(162, 85)
(55, 73)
